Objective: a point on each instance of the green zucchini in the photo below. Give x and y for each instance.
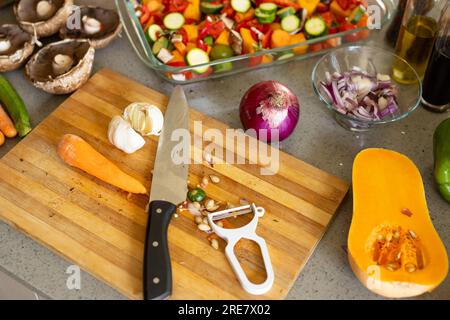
(210, 8)
(174, 21)
(290, 23)
(268, 8)
(357, 14)
(315, 27)
(15, 107)
(241, 5)
(264, 18)
(197, 56)
(162, 42)
(153, 31)
(284, 12)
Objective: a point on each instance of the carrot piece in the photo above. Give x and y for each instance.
(177, 57)
(249, 44)
(76, 152)
(181, 48)
(280, 38)
(2, 139)
(6, 125)
(275, 26)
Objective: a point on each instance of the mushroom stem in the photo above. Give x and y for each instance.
(5, 45)
(61, 64)
(91, 25)
(45, 9)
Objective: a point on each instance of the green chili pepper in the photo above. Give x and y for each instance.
(441, 146)
(196, 195)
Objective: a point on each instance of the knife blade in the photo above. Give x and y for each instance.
(168, 188)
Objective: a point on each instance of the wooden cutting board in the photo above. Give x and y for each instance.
(102, 229)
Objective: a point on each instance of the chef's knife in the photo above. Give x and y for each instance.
(169, 187)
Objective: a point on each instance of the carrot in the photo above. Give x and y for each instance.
(280, 38)
(2, 139)
(76, 152)
(6, 125)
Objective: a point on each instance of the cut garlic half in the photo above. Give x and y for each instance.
(145, 118)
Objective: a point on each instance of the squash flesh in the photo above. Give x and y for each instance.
(384, 183)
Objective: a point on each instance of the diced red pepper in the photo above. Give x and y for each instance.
(145, 15)
(216, 29)
(344, 4)
(322, 7)
(175, 5)
(352, 37)
(281, 3)
(201, 44)
(266, 39)
(227, 9)
(184, 34)
(328, 18)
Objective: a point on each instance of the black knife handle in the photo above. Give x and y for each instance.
(157, 267)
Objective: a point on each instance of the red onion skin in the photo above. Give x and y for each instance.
(251, 101)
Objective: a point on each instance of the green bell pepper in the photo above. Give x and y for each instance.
(441, 144)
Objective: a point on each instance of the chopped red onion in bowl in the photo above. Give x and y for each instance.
(360, 94)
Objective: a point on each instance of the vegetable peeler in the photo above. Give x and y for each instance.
(232, 236)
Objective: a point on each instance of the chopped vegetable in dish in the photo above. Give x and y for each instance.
(187, 32)
(358, 93)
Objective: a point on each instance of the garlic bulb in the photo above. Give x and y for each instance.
(122, 135)
(144, 118)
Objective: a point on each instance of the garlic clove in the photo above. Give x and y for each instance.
(123, 136)
(45, 9)
(62, 63)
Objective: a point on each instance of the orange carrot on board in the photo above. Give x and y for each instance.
(6, 125)
(76, 152)
(2, 139)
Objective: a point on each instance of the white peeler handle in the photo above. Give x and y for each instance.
(248, 286)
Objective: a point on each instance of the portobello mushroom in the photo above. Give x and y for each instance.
(100, 26)
(15, 47)
(61, 67)
(42, 18)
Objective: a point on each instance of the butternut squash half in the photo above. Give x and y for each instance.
(393, 247)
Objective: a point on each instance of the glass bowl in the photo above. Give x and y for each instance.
(373, 60)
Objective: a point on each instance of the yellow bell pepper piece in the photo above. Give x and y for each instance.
(298, 38)
(224, 38)
(192, 32)
(309, 5)
(193, 10)
(249, 43)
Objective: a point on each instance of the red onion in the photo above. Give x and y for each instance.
(270, 105)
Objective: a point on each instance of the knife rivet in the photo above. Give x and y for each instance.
(155, 243)
(158, 210)
(155, 280)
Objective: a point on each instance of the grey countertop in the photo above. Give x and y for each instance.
(318, 140)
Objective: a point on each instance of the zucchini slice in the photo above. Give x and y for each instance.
(315, 27)
(290, 23)
(153, 32)
(197, 56)
(173, 21)
(284, 12)
(241, 5)
(268, 7)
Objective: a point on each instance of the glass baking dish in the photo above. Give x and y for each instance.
(245, 62)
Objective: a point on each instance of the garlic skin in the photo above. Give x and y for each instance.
(122, 135)
(145, 118)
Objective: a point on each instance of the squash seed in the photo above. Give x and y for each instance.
(214, 179)
(204, 227)
(410, 268)
(198, 220)
(412, 234)
(392, 266)
(215, 244)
